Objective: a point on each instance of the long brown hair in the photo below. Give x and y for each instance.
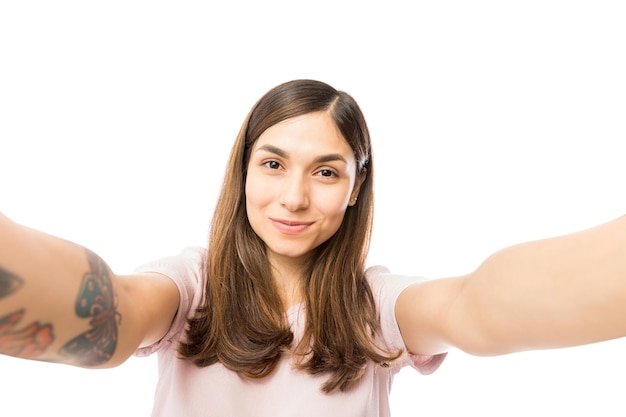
(241, 322)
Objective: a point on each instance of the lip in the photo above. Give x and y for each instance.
(290, 227)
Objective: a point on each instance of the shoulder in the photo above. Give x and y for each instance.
(188, 262)
(386, 288)
(186, 270)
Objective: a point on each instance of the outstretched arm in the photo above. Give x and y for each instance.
(60, 302)
(564, 291)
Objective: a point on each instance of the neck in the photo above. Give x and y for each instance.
(288, 276)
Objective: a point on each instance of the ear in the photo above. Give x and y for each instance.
(357, 187)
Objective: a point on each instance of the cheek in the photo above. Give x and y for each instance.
(334, 205)
(257, 194)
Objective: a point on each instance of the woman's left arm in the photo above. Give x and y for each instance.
(563, 291)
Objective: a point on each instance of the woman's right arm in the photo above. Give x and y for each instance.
(60, 302)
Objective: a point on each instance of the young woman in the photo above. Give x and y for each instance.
(279, 316)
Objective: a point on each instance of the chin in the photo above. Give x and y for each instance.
(290, 252)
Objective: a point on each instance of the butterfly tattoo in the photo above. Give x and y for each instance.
(96, 300)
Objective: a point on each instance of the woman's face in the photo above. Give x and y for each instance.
(301, 178)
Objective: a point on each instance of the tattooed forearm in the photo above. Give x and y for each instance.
(96, 299)
(27, 342)
(9, 283)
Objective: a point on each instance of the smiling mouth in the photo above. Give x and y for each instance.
(290, 227)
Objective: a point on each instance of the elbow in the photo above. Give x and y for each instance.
(475, 321)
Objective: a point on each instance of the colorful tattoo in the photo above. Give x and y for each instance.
(29, 342)
(9, 283)
(96, 300)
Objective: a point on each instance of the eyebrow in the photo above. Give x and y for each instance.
(322, 158)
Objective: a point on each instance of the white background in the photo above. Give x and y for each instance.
(493, 123)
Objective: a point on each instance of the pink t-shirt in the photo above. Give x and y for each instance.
(186, 390)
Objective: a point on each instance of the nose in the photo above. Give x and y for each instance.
(294, 194)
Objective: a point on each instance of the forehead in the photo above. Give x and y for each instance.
(311, 132)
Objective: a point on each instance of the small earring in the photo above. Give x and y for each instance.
(353, 200)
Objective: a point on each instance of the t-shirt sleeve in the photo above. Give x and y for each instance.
(386, 288)
(185, 269)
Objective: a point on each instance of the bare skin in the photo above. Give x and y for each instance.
(551, 293)
(89, 317)
(564, 291)
(27, 341)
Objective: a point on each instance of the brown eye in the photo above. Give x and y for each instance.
(272, 165)
(327, 173)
